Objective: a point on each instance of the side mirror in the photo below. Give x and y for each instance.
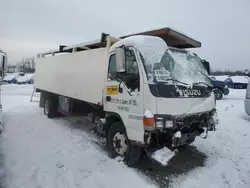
(206, 65)
(120, 60)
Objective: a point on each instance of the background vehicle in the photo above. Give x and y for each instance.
(12, 78)
(144, 90)
(26, 79)
(237, 82)
(220, 88)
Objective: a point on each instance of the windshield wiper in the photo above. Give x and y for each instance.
(204, 74)
(170, 79)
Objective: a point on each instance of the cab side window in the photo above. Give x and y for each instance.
(112, 68)
(131, 77)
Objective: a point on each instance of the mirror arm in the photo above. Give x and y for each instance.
(120, 90)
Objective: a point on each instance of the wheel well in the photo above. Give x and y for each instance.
(45, 95)
(110, 119)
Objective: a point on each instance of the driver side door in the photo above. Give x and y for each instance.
(123, 95)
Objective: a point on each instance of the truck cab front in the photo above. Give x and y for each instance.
(163, 95)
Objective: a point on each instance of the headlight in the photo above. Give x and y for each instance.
(169, 124)
(159, 124)
(226, 86)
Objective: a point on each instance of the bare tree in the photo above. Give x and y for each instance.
(228, 72)
(27, 65)
(11, 68)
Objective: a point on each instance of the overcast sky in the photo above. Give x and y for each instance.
(223, 26)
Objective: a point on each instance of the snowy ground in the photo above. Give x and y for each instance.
(227, 150)
(44, 153)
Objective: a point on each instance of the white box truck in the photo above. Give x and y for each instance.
(145, 90)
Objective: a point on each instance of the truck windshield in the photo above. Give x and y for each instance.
(177, 67)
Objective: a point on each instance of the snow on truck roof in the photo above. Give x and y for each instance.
(171, 37)
(152, 45)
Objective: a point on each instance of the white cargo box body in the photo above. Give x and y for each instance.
(78, 75)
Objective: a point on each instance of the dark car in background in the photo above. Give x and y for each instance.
(220, 89)
(239, 82)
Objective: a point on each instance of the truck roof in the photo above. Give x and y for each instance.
(171, 37)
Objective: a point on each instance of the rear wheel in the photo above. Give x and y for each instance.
(46, 107)
(218, 94)
(120, 145)
(50, 108)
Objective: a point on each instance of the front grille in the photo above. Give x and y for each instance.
(188, 121)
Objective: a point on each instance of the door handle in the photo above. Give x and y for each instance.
(108, 98)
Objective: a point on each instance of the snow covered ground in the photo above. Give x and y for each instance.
(227, 149)
(39, 152)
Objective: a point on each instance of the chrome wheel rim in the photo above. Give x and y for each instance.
(120, 143)
(217, 95)
(46, 107)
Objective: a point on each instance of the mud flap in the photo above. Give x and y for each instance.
(162, 156)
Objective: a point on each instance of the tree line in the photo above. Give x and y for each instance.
(26, 65)
(228, 72)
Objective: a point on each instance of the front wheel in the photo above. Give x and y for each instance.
(218, 94)
(120, 145)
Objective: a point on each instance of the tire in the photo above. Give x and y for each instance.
(122, 146)
(218, 94)
(50, 108)
(46, 107)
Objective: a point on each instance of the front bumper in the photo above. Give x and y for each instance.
(162, 146)
(205, 119)
(183, 129)
(247, 106)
